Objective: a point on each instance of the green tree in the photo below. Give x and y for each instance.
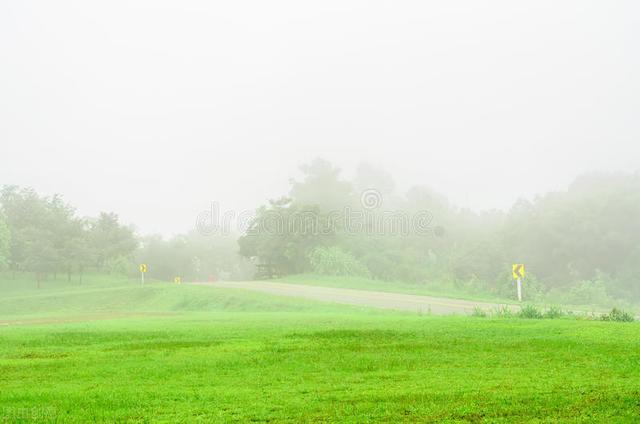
(33, 225)
(110, 240)
(5, 244)
(282, 235)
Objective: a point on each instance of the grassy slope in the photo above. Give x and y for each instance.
(225, 355)
(123, 296)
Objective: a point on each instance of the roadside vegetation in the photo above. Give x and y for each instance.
(529, 311)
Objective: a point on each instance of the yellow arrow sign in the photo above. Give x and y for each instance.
(177, 280)
(143, 268)
(517, 270)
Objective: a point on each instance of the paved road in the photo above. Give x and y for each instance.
(405, 302)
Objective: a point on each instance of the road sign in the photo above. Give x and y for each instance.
(518, 271)
(518, 274)
(177, 280)
(143, 269)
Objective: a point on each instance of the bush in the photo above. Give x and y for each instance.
(478, 312)
(617, 315)
(527, 311)
(533, 290)
(530, 311)
(590, 292)
(503, 312)
(554, 312)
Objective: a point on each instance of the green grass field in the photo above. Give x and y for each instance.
(166, 353)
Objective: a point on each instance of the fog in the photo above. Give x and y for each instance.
(155, 109)
(330, 211)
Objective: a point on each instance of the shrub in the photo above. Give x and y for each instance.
(617, 315)
(503, 312)
(527, 311)
(590, 292)
(533, 290)
(478, 312)
(554, 312)
(530, 311)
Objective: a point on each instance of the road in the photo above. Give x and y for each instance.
(376, 299)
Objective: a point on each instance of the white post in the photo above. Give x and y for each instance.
(519, 290)
(142, 278)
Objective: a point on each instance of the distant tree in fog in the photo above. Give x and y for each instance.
(5, 244)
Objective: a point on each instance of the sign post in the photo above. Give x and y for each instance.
(177, 280)
(143, 270)
(518, 274)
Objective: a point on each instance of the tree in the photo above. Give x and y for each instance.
(48, 238)
(76, 251)
(193, 257)
(335, 261)
(5, 244)
(33, 226)
(110, 240)
(283, 234)
(321, 186)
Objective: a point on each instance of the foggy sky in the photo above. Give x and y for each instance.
(153, 109)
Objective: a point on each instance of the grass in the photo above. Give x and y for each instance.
(197, 354)
(125, 297)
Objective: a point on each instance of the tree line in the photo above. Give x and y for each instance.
(43, 235)
(581, 245)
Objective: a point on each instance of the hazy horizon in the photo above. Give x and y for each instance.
(153, 110)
